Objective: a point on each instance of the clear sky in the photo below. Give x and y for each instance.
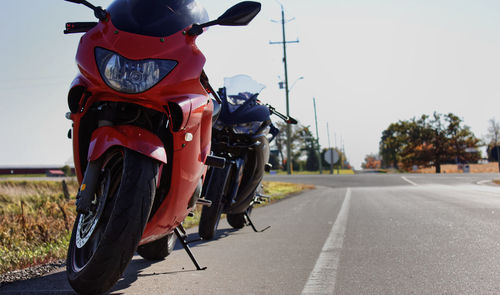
(367, 63)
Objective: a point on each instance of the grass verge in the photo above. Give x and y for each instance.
(5, 176)
(325, 172)
(36, 219)
(35, 222)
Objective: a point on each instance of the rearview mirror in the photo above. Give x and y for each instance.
(239, 15)
(98, 11)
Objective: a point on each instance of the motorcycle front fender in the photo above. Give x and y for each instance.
(131, 137)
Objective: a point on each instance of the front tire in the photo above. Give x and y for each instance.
(104, 240)
(210, 216)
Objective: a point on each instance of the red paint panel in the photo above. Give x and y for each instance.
(128, 136)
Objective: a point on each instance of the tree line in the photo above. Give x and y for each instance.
(304, 150)
(428, 141)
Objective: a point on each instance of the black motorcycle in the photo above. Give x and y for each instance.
(241, 135)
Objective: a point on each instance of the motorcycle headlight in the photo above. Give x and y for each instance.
(131, 76)
(247, 128)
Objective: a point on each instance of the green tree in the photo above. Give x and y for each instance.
(67, 170)
(303, 146)
(393, 141)
(463, 143)
(280, 142)
(308, 148)
(428, 141)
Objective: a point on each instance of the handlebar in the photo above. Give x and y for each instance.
(79, 27)
(287, 119)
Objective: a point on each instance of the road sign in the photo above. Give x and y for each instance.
(328, 156)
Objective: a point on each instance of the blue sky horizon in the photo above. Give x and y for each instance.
(367, 63)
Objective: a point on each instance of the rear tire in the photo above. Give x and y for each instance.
(210, 216)
(104, 241)
(238, 220)
(159, 249)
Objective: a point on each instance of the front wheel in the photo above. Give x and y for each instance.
(210, 216)
(105, 239)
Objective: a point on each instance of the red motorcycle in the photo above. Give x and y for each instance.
(142, 120)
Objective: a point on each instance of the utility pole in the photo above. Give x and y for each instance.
(317, 138)
(338, 166)
(288, 127)
(330, 149)
(343, 151)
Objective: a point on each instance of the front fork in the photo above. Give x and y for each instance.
(237, 170)
(86, 192)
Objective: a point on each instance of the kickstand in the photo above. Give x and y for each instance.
(180, 232)
(253, 226)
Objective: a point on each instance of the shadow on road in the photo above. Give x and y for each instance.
(195, 240)
(57, 283)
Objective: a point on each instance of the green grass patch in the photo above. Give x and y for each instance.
(21, 175)
(35, 222)
(280, 190)
(335, 172)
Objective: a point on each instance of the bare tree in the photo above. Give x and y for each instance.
(493, 137)
(493, 131)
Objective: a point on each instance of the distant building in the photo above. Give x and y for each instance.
(16, 170)
(55, 173)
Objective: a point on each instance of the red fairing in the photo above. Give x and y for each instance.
(187, 171)
(131, 137)
(183, 79)
(192, 133)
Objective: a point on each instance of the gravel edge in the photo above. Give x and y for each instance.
(30, 272)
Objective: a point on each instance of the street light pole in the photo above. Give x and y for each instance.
(317, 138)
(330, 148)
(288, 127)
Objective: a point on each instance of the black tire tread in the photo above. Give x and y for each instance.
(124, 229)
(159, 249)
(236, 220)
(210, 216)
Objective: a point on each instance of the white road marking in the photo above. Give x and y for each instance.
(483, 182)
(324, 275)
(409, 181)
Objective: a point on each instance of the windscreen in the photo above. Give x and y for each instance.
(156, 18)
(239, 89)
(242, 85)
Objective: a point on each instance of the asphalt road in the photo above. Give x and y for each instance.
(358, 234)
